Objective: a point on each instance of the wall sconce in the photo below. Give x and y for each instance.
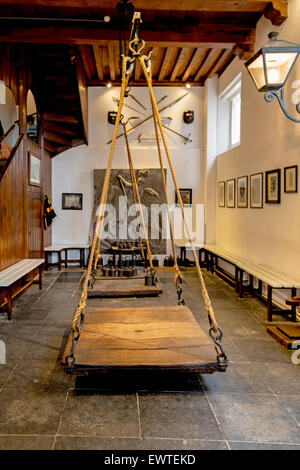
(270, 68)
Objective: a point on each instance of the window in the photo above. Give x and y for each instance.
(236, 119)
(229, 116)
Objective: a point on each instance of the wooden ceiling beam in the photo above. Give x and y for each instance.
(215, 65)
(198, 56)
(111, 60)
(211, 54)
(85, 61)
(185, 51)
(158, 35)
(187, 5)
(169, 55)
(98, 63)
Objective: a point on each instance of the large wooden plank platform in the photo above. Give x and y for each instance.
(128, 287)
(142, 338)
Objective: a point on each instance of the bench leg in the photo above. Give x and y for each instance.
(236, 279)
(59, 260)
(66, 258)
(259, 290)
(9, 304)
(46, 260)
(241, 290)
(81, 257)
(293, 308)
(269, 308)
(40, 278)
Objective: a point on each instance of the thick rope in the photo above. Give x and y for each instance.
(134, 190)
(176, 267)
(102, 205)
(205, 295)
(138, 198)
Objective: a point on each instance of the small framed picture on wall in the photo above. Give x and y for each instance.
(72, 201)
(221, 194)
(230, 193)
(273, 186)
(242, 192)
(256, 191)
(186, 196)
(34, 169)
(291, 179)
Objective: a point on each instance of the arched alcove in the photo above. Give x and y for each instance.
(32, 128)
(9, 115)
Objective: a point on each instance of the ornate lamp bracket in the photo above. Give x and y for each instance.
(279, 94)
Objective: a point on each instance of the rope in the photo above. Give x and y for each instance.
(134, 190)
(138, 197)
(178, 273)
(205, 295)
(102, 205)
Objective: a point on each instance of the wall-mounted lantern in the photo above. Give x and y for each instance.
(270, 68)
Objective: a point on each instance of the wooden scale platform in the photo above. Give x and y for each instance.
(142, 338)
(126, 287)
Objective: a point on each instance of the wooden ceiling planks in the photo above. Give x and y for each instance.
(191, 39)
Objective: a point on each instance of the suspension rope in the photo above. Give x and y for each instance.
(79, 312)
(205, 295)
(134, 192)
(178, 277)
(138, 198)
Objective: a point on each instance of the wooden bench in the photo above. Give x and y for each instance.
(59, 249)
(17, 278)
(263, 274)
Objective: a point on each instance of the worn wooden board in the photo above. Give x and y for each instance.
(285, 335)
(142, 338)
(128, 287)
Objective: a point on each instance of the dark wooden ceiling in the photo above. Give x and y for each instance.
(191, 39)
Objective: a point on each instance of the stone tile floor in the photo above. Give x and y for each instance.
(254, 405)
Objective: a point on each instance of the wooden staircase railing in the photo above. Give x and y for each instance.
(4, 164)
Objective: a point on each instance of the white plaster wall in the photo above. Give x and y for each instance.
(72, 171)
(268, 141)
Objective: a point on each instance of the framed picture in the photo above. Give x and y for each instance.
(273, 187)
(72, 201)
(186, 196)
(242, 192)
(256, 191)
(34, 169)
(221, 193)
(291, 179)
(230, 193)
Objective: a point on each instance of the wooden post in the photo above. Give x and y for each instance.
(236, 279)
(269, 311)
(241, 283)
(9, 303)
(59, 259)
(293, 307)
(40, 277)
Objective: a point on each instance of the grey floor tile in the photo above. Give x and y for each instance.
(262, 446)
(178, 415)
(281, 378)
(262, 351)
(238, 378)
(257, 418)
(34, 410)
(26, 442)
(292, 404)
(182, 444)
(100, 415)
(95, 443)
